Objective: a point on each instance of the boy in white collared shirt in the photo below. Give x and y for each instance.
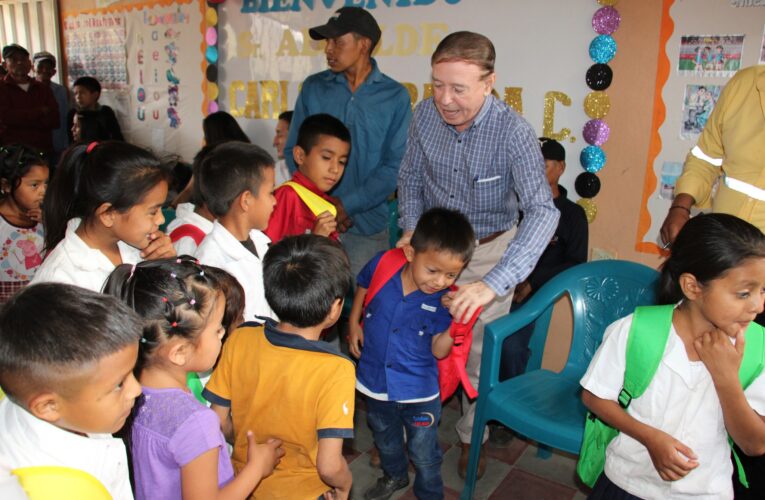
(68, 377)
(237, 181)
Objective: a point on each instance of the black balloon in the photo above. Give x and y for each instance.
(212, 73)
(587, 185)
(599, 76)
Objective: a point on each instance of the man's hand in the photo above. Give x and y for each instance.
(522, 291)
(406, 237)
(677, 216)
(344, 221)
(160, 247)
(470, 297)
(325, 224)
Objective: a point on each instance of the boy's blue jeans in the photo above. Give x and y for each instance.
(387, 419)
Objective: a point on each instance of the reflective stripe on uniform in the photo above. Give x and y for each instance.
(701, 155)
(745, 188)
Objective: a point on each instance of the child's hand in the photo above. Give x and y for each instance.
(35, 214)
(447, 299)
(263, 458)
(720, 356)
(672, 459)
(355, 339)
(159, 247)
(325, 225)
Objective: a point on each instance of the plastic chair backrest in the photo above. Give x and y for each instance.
(44, 482)
(394, 232)
(169, 214)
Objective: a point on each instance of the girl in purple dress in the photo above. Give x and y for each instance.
(176, 443)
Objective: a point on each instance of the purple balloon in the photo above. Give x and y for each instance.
(212, 107)
(596, 132)
(606, 20)
(211, 36)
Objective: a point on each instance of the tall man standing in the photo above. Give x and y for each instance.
(376, 109)
(470, 152)
(28, 109)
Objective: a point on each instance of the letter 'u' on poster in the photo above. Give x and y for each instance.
(158, 141)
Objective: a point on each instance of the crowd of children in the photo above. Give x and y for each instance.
(121, 320)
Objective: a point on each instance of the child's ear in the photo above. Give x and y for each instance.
(243, 200)
(690, 286)
(46, 406)
(180, 352)
(334, 313)
(298, 154)
(408, 252)
(106, 214)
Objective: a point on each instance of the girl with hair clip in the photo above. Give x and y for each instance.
(23, 180)
(103, 208)
(176, 444)
(673, 441)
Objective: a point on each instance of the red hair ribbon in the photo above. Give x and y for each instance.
(91, 147)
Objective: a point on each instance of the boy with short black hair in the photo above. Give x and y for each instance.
(237, 181)
(282, 382)
(302, 204)
(87, 91)
(193, 220)
(405, 330)
(68, 375)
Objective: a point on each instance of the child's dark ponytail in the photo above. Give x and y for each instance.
(707, 247)
(90, 175)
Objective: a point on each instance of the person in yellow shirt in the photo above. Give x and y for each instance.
(282, 382)
(729, 152)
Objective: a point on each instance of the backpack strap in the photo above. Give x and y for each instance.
(313, 201)
(754, 354)
(187, 230)
(645, 347)
(390, 263)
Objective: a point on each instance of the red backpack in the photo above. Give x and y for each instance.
(451, 369)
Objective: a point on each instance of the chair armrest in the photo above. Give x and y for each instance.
(539, 307)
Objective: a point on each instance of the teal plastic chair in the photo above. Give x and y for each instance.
(542, 405)
(169, 214)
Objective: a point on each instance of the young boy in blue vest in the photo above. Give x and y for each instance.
(302, 204)
(405, 330)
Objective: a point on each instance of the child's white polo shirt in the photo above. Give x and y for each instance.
(221, 249)
(26, 441)
(681, 401)
(75, 263)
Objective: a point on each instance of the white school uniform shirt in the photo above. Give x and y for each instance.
(75, 263)
(681, 401)
(184, 214)
(26, 441)
(221, 249)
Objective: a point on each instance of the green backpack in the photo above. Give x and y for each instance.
(645, 346)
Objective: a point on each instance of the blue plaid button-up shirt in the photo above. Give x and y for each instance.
(488, 172)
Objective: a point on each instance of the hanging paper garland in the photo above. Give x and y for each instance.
(597, 104)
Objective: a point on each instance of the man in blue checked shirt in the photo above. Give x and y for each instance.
(376, 109)
(469, 151)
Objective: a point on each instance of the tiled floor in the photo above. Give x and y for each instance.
(513, 471)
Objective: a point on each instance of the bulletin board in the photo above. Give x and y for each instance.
(697, 56)
(149, 60)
